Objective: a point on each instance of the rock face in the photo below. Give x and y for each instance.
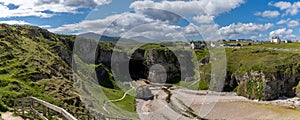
(168, 64)
(157, 65)
(266, 86)
(157, 74)
(298, 90)
(144, 93)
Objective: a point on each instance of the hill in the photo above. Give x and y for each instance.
(34, 63)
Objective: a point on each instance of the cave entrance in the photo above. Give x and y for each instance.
(137, 68)
(162, 66)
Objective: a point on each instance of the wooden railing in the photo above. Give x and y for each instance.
(34, 108)
(30, 108)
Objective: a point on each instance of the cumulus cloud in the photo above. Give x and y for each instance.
(138, 26)
(290, 23)
(203, 19)
(293, 23)
(155, 32)
(182, 8)
(290, 8)
(282, 5)
(268, 14)
(283, 21)
(244, 28)
(283, 33)
(163, 15)
(16, 22)
(112, 25)
(37, 7)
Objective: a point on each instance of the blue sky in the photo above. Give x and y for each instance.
(166, 20)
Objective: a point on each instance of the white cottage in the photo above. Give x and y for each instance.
(275, 39)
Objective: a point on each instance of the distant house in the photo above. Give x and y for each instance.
(275, 39)
(197, 45)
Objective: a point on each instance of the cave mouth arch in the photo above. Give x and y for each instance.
(143, 59)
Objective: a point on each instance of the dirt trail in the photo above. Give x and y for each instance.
(9, 116)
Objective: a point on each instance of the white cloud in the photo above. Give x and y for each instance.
(182, 8)
(137, 26)
(112, 25)
(290, 23)
(155, 32)
(283, 33)
(268, 14)
(16, 22)
(293, 23)
(282, 5)
(37, 7)
(45, 26)
(244, 28)
(203, 19)
(290, 8)
(283, 21)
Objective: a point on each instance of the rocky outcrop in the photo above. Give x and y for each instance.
(265, 85)
(144, 93)
(157, 65)
(168, 64)
(298, 90)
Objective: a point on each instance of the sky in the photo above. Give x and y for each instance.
(163, 20)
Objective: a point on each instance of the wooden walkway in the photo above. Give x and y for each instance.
(34, 108)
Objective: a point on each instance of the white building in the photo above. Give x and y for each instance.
(275, 39)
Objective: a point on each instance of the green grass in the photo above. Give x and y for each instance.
(152, 46)
(194, 85)
(262, 58)
(128, 103)
(100, 93)
(281, 45)
(11, 89)
(31, 65)
(255, 58)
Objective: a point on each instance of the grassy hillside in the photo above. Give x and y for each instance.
(35, 62)
(31, 65)
(279, 63)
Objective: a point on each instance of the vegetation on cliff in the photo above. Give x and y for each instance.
(264, 71)
(35, 62)
(31, 65)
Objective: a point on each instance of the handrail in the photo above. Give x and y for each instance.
(60, 110)
(30, 107)
(33, 100)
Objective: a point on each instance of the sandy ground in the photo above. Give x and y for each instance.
(9, 116)
(227, 106)
(250, 111)
(189, 104)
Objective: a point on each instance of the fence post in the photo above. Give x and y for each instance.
(32, 107)
(23, 112)
(44, 111)
(15, 109)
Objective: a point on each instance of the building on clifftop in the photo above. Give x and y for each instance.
(275, 39)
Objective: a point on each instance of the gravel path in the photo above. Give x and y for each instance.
(9, 116)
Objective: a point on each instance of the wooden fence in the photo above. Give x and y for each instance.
(34, 108)
(30, 108)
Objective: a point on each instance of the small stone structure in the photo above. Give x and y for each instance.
(143, 92)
